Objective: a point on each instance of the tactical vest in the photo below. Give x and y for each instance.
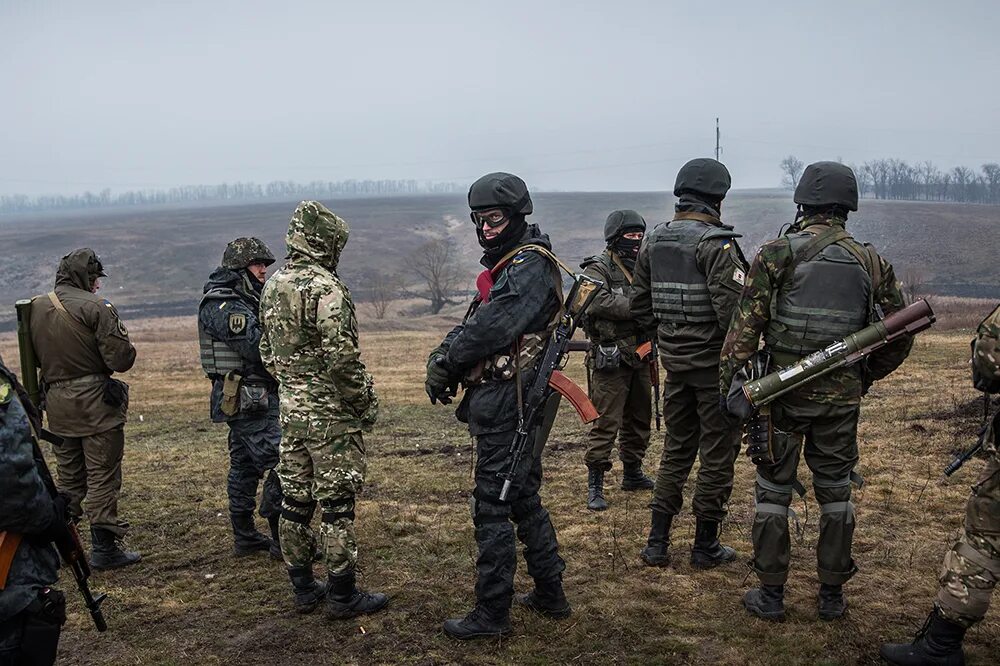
(617, 280)
(679, 289)
(217, 358)
(826, 293)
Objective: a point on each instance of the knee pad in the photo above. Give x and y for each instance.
(297, 511)
(334, 510)
(832, 491)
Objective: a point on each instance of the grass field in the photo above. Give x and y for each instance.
(191, 602)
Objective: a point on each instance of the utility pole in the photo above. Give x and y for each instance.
(718, 148)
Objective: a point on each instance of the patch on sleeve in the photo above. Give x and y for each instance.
(5, 391)
(519, 259)
(726, 245)
(237, 323)
(739, 276)
(122, 329)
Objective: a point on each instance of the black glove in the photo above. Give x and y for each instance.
(440, 384)
(56, 529)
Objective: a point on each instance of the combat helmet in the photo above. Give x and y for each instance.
(500, 190)
(621, 222)
(827, 184)
(241, 252)
(704, 176)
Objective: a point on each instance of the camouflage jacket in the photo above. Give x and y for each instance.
(719, 268)
(309, 339)
(609, 319)
(986, 369)
(25, 504)
(768, 276)
(78, 348)
(231, 316)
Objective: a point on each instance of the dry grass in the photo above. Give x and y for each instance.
(191, 602)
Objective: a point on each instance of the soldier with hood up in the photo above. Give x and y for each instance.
(244, 394)
(80, 343)
(309, 343)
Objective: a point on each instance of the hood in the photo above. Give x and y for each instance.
(79, 269)
(531, 235)
(239, 281)
(690, 202)
(317, 233)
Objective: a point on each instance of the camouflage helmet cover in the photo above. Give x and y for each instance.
(622, 222)
(500, 190)
(241, 252)
(827, 184)
(705, 176)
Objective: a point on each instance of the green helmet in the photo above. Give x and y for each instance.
(622, 222)
(704, 176)
(241, 252)
(827, 184)
(500, 190)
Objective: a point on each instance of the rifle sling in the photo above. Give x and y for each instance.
(66, 316)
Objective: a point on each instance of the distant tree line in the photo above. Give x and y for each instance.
(20, 203)
(897, 179)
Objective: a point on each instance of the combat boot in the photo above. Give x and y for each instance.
(831, 602)
(344, 600)
(595, 489)
(634, 479)
(481, 622)
(656, 554)
(707, 552)
(547, 599)
(766, 602)
(939, 642)
(275, 550)
(105, 552)
(308, 591)
(246, 539)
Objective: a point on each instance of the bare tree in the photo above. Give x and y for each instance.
(383, 290)
(991, 171)
(437, 263)
(914, 279)
(791, 167)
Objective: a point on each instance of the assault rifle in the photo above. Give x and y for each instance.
(968, 454)
(532, 408)
(647, 352)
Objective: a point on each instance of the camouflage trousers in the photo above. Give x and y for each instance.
(696, 429)
(971, 568)
(330, 472)
(492, 518)
(827, 435)
(253, 453)
(622, 398)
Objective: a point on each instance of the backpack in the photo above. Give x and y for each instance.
(986, 354)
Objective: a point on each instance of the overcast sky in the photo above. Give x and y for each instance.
(595, 95)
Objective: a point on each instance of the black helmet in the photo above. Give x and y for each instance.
(500, 190)
(828, 184)
(622, 222)
(242, 252)
(704, 176)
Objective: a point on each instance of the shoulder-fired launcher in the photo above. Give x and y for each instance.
(912, 319)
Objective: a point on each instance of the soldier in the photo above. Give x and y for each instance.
(31, 611)
(687, 280)
(620, 385)
(971, 568)
(244, 394)
(310, 345)
(498, 342)
(80, 342)
(811, 287)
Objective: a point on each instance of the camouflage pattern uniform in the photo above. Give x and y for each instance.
(31, 613)
(799, 311)
(310, 345)
(230, 332)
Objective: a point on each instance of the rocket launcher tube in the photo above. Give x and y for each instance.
(912, 319)
(29, 362)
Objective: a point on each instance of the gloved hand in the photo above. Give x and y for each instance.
(56, 529)
(440, 384)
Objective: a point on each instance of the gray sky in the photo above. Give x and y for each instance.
(593, 95)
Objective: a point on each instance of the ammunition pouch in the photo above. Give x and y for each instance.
(503, 366)
(758, 438)
(115, 393)
(253, 396)
(607, 357)
(230, 404)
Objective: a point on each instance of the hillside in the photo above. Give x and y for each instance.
(157, 259)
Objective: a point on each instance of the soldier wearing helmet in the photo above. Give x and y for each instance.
(494, 349)
(688, 278)
(620, 385)
(243, 395)
(810, 287)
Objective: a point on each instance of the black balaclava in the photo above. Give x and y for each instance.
(506, 240)
(627, 250)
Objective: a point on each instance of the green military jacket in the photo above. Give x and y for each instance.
(772, 275)
(309, 337)
(609, 319)
(79, 346)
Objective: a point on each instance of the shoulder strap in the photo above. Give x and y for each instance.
(533, 247)
(621, 266)
(67, 317)
(820, 241)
